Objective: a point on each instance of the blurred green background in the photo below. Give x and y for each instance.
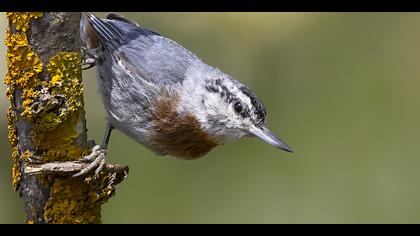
(341, 88)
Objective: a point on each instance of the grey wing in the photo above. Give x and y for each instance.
(155, 59)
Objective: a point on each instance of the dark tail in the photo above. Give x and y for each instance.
(114, 30)
(106, 31)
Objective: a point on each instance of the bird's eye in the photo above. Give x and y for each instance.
(237, 107)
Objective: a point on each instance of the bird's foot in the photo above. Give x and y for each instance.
(88, 58)
(97, 161)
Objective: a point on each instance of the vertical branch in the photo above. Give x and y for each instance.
(46, 119)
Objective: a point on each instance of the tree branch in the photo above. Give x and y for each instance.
(46, 122)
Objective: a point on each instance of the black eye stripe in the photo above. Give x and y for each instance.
(256, 103)
(257, 109)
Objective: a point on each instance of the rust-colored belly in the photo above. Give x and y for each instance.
(179, 135)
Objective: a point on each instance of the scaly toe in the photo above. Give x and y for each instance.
(100, 166)
(97, 159)
(93, 155)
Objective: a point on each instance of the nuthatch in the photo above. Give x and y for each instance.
(164, 97)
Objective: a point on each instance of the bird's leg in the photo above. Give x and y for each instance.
(88, 58)
(97, 156)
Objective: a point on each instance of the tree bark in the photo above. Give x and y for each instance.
(46, 121)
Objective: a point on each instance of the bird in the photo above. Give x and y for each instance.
(165, 97)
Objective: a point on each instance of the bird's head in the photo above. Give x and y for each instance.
(227, 109)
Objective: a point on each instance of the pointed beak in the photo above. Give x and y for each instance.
(267, 136)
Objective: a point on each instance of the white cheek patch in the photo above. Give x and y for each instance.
(207, 104)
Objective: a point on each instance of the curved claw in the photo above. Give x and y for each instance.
(97, 159)
(95, 152)
(88, 58)
(88, 63)
(100, 167)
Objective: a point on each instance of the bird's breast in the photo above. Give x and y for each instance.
(179, 135)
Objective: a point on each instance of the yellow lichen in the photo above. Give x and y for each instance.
(16, 174)
(107, 191)
(26, 154)
(23, 67)
(54, 129)
(11, 126)
(61, 108)
(79, 200)
(54, 106)
(21, 20)
(11, 122)
(65, 73)
(72, 201)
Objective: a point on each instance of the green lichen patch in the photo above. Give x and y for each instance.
(11, 126)
(58, 144)
(16, 174)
